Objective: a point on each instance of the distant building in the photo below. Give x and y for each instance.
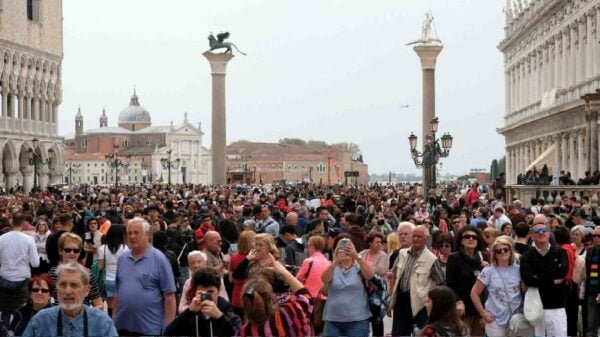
(31, 53)
(136, 142)
(251, 162)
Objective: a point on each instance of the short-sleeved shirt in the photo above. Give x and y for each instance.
(110, 260)
(497, 301)
(141, 286)
(347, 300)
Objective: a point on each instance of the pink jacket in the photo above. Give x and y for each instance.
(312, 279)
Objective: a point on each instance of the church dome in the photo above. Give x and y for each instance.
(134, 113)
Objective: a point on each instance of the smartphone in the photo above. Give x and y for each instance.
(205, 297)
(344, 244)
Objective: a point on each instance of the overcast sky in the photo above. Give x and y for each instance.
(332, 70)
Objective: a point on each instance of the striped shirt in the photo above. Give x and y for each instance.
(94, 290)
(292, 319)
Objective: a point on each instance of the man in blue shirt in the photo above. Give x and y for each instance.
(71, 318)
(145, 286)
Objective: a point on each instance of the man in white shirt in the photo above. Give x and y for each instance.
(17, 255)
(499, 218)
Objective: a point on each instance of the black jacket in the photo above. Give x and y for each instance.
(189, 323)
(461, 274)
(541, 271)
(22, 317)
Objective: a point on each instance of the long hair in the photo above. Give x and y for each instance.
(257, 300)
(115, 238)
(443, 310)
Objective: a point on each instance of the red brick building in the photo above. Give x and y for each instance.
(251, 162)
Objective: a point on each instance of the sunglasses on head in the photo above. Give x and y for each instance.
(71, 250)
(470, 237)
(540, 230)
(501, 250)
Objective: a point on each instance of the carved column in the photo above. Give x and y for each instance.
(565, 58)
(572, 154)
(573, 63)
(27, 173)
(564, 146)
(559, 153)
(43, 172)
(589, 66)
(581, 164)
(550, 64)
(557, 60)
(10, 178)
(597, 43)
(592, 107)
(582, 50)
(5, 100)
(540, 72)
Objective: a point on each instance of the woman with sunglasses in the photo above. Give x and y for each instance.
(444, 249)
(69, 248)
(462, 270)
(502, 280)
(40, 287)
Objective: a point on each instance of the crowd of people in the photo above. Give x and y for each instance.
(299, 260)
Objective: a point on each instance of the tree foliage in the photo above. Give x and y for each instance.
(494, 169)
(353, 148)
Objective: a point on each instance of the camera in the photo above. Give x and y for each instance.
(205, 297)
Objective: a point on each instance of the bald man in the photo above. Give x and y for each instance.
(418, 271)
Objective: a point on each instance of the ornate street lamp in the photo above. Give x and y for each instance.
(35, 159)
(71, 168)
(433, 151)
(112, 159)
(167, 164)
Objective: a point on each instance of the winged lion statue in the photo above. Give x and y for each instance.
(219, 42)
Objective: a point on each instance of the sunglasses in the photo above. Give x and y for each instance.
(71, 250)
(40, 290)
(502, 250)
(597, 235)
(540, 230)
(469, 237)
(445, 245)
(456, 222)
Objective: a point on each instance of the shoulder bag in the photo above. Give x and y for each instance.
(517, 323)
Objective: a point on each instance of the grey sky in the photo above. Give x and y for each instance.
(333, 70)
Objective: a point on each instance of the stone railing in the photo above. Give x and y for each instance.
(551, 193)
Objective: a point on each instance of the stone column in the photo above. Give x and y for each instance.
(597, 43)
(573, 63)
(565, 58)
(218, 66)
(506, 92)
(550, 64)
(564, 145)
(559, 152)
(582, 50)
(581, 164)
(10, 178)
(589, 57)
(27, 173)
(572, 154)
(5, 100)
(592, 107)
(43, 172)
(557, 60)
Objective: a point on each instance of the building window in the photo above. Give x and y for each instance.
(33, 10)
(95, 164)
(88, 165)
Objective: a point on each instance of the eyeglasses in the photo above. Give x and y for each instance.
(540, 230)
(502, 250)
(469, 237)
(71, 250)
(38, 290)
(445, 245)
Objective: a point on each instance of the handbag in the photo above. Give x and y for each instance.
(517, 323)
(318, 309)
(533, 307)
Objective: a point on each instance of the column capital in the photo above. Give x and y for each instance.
(428, 55)
(218, 62)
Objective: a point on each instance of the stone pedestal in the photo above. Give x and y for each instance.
(428, 53)
(218, 66)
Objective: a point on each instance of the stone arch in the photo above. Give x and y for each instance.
(9, 164)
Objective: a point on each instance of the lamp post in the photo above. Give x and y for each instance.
(433, 150)
(167, 163)
(36, 160)
(112, 159)
(70, 169)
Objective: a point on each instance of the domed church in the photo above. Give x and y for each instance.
(141, 145)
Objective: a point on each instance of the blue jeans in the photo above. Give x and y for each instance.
(354, 329)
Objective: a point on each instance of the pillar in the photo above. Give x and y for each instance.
(573, 64)
(564, 147)
(5, 100)
(592, 107)
(557, 60)
(27, 179)
(581, 51)
(589, 50)
(43, 177)
(581, 165)
(218, 66)
(572, 154)
(10, 179)
(507, 92)
(565, 58)
(597, 44)
(428, 53)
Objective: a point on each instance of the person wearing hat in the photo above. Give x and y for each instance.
(580, 218)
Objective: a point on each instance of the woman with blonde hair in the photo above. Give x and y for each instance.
(490, 234)
(347, 311)
(257, 263)
(393, 247)
(502, 280)
(313, 266)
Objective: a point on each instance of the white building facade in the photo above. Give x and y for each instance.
(552, 74)
(31, 52)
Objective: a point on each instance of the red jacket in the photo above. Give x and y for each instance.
(571, 257)
(201, 231)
